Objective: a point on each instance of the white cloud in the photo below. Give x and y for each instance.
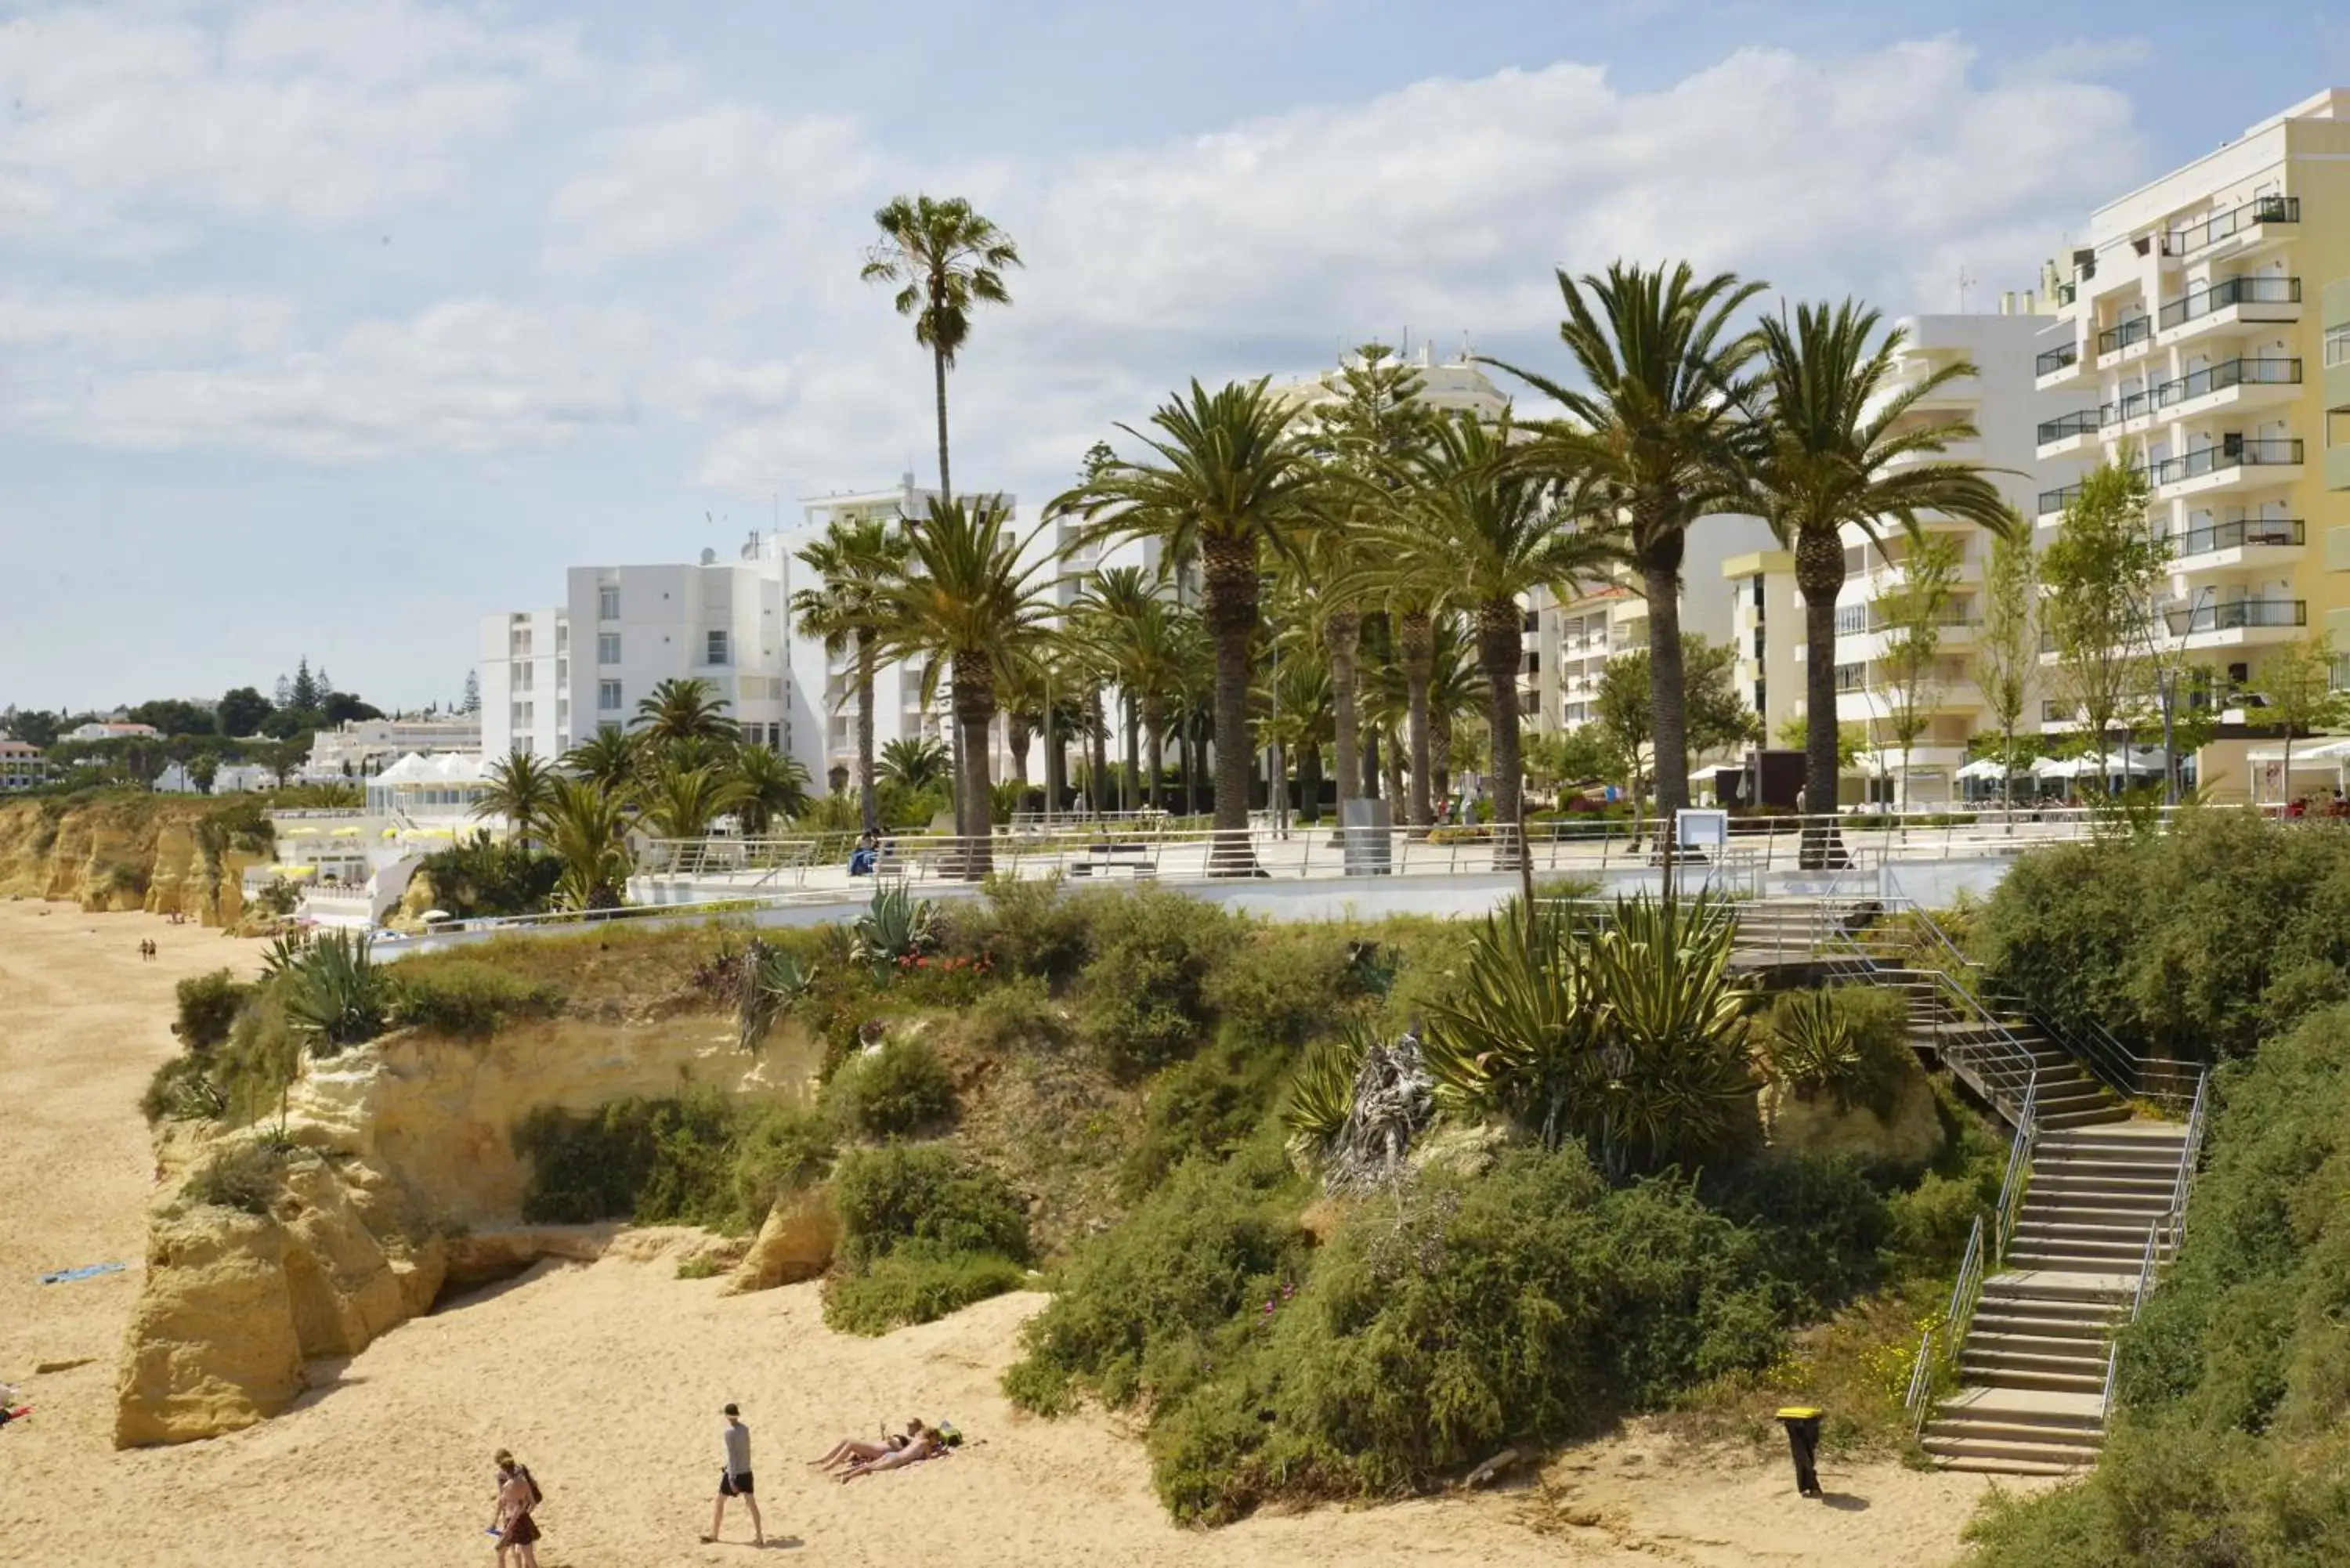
(465, 376)
(168, 327)
(125, 130)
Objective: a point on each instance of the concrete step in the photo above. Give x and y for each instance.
(2104, 1287)
(2025, 1377)
(2079, 1257)
(2160, 1138)
(2125, 1163)
(2008, 1452)
(2114, 1113)
(2064, 1226)
(2082, 1331)
(1998, 1426)
(1969, 1464)
(1991, 1363)
(2136, 1210)
(2071, 1179)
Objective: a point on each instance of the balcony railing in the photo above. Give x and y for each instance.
(2055, 501)
(2197, 303)
(2113, 340)
(2237, 616)
(2085, 422)
(2273, 371)
(2271, 533)
(2258, 210)
(1852, 620)
(2227, 454)
(2057, 359)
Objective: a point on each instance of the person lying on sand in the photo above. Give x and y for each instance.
(920, 1444)
(856, 1450)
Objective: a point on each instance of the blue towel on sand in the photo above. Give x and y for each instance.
(85, 1272)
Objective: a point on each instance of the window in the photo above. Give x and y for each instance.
(522, 745)
(608, 604)
(716, 650)
(528, 672)
(563, 637)
(607, 696)
(607, 648)
(1761, 705)
(1533, 621)
(1758, 594)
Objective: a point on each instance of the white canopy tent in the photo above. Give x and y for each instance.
(2318, 755)
(2131, 761)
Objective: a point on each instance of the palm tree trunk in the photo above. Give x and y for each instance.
(1129, 785)
(1416, 641)
(1056, 764)
(1819, 577)
(1309, 785)
(1154, 728)
(1099, 793)
(938, 368)
(1391, 760)
(1501, 649)
(974, 713)
(1018, 735)
(1187, 757)
(1440, 750)
(1230, 615)
(868, 803)
(1342, 634)
(1372, 771)
(1667, 694)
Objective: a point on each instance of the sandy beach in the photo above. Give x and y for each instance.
(607, 1379)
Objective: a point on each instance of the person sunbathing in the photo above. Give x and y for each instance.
(921, 1443)
(856, 1450)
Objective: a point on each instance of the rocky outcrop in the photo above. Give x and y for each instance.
(131, 852)
(1911, 1135)
(405, 1184)
(796, 1244)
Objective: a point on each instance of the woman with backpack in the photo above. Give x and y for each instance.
(518, 1494)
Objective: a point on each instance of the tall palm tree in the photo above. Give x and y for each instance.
(683, 710)
(767, 786)
(1473, 507)
(1836, 446)
(969, 604)
(916, 761)
(855, 563)
(1111, 602)
(608, 758)
(520, 788)
(944, 258)
(1657, 432)
(1229, 479)
(682, 802)
(1456, 690)
(587, 829)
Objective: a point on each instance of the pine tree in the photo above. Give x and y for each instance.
(305, 692)
(473, 702)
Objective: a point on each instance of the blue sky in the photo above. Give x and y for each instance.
(326, 328)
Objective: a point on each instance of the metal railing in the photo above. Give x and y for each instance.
(2014, 1186)
(2236, 616)
(2088, 421)
(2227, 225)
(1919, 1400)
(2266, 533)
(2057, 359)
(2199, 303)
(2256, 452)
(2113, 340)
(2163, 1237)
(2054, 500)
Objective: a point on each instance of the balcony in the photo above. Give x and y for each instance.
(2130, 334)
(2246, 542)
(2231, 302)
(2241, 220)
(2237, 621)
(2230, 375)
(2226, 466)
(2070, 433)
(2059, 368)
(2054, 501)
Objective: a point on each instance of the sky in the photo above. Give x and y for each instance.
(329, 328)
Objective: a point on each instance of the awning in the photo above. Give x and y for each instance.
(2328, 751)
(1982, 768)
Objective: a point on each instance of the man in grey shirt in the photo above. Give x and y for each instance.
(734, 1481)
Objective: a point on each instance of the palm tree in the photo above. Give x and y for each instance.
(1656, 433)
(1298, 713)
(916, 761)
(1456, 690)
(855, 562)
(766, 785)
(681, 802)
(520, 789)
(1230, 478)
(587, 829)
(972, 605)
(1473, 508)
(609, 758)
(1834, 448)
(683, 711)
(1114, 614)
(944, 259)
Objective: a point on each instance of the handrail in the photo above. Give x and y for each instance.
(2012, 1187)
(1963, 1294)
(1921, 1382)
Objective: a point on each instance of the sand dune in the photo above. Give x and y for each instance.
(607, 1379)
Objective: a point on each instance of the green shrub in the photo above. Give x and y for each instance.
(916, 1284)
(209, 1005)
(900, 1193)
(181, 1090)
(1817, 1225)
(1205, 1108)
(1849, 1042)
(653, 1161)
(1133, 1314)
(1144, 991)
(1017, 1014)
(483, 876)
(1283, 984)
(902, 1087)
(246, 1177)
(1322, 1093)
(1032, 928)
(782, 1151)
(336, 994)
(1930, 1223)
(466, 998)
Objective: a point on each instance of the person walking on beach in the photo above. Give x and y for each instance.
(734, 1481)
(517, 1495)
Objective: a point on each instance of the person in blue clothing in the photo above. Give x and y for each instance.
(862, 858)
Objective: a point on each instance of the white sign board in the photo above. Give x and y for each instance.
(1702, 829)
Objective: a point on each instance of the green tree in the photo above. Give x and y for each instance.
(856, 562)
(202, 769)
(1842, 443)
(968, 604)
(1229, 480)
(916, 762)
(2007, 646)
(520, 788)
(680, 710)
(171, 716)
(1716, 718)
(2099, 577)
(680, 801)
(944, 259)
(1916, 612)
(1471, 510)
(608, 758)
(242, 712)
(305, 691)
(1851, 740)
(2297, 680)
(588, 829)
(767, 787)
(1657, 433)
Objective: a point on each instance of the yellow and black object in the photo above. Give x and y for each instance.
(1802, 1424)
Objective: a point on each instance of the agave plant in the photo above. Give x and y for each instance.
(1520, 1032)
(283, 954)
(1849, 1047)
(893, 928)
(1322, 1095)
(774, 982)
(336, 995)
(1674, 1033)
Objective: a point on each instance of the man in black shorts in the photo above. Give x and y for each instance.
(734, 1481)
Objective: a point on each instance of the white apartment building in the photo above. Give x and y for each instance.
(362, 746)
(2187, 336)
(1454, 386)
